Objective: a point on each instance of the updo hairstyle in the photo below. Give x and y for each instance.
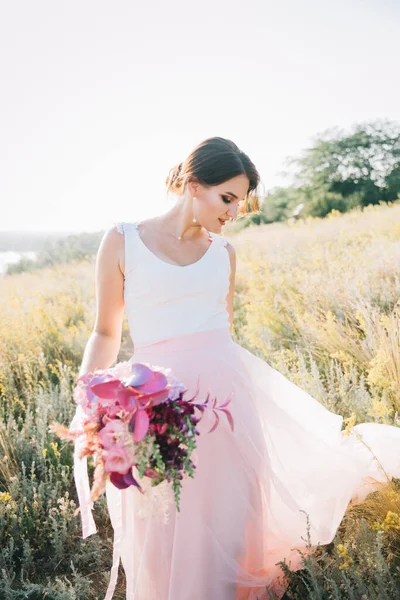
(212, 162)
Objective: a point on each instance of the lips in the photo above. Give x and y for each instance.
(222, 221)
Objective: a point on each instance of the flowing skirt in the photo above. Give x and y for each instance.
(246, 509)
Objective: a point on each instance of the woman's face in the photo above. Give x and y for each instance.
(217, 204)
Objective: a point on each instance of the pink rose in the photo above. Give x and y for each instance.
(114, 434)
(117, 460)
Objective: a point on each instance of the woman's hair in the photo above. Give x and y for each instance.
(212, 162)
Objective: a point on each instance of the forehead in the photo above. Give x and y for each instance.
(238, 186)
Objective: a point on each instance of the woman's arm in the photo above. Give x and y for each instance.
(102, 348)
(229, 298)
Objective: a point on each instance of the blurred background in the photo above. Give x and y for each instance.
(98, 101)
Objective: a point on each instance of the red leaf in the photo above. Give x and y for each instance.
(227, 401)
(229, 417)
(215, 424)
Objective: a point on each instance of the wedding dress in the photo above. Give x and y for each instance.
(287, 458)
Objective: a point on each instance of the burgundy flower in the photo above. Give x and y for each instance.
(124, 480)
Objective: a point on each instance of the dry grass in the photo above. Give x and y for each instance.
(319, 300)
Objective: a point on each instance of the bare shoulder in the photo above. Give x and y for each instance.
(231, 250)
(230, 247)
(232, 256)
(109, 284)
(112, 247)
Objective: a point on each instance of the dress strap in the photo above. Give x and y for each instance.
(219, 239)
(130, 232)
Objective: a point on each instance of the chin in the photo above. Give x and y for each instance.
(214, 226)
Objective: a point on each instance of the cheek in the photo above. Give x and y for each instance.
(212, 205)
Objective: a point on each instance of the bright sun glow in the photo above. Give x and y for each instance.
(99, 101)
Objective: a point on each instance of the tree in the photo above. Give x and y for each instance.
(341, 171)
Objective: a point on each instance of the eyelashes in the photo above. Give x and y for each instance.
(226, 199)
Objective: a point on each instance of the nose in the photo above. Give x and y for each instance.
(232, 212)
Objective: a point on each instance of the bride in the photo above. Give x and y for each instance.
(287, 458)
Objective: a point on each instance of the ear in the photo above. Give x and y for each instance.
(193, 187)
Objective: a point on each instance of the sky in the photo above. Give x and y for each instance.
(100, 99)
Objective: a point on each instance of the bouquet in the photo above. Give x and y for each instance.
(137, 423)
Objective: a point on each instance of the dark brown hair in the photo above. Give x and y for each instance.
(212, 162)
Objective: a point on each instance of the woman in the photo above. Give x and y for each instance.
(247, 506)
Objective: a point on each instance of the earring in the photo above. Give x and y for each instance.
(194, 218)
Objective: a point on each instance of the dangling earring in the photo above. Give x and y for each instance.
(194, 218)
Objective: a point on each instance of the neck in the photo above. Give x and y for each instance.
(179, 221)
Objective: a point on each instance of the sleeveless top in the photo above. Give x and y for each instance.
(164, 300)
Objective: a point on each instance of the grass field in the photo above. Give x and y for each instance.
(319, 300)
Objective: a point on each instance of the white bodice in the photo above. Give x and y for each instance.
(164, 300)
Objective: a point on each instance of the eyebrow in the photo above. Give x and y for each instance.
(231, 194)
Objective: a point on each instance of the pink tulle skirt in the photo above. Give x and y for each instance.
(254, 488)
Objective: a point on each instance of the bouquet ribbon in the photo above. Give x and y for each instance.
(82, 484)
